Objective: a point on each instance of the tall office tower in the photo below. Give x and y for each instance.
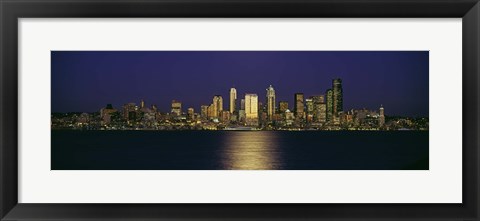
(283, 106)
(242, 104)
(176, 108)
(217, 105)
(309, 105)
(319, 109)
(211, 112)
(329, 105)
(270, 102)
(233, 99)
(204, 111)
(337, 96)
(142, 104)
(381, 119)
(251, 109)
(322, 113)
(309, 109)
(190, 113)
(298, 105)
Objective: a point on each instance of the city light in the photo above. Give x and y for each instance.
(315, 112)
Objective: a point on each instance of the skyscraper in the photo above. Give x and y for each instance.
(309, 105)
(298, 105)
(319, 109)
(337, 96)
(233, 99)
(329, 105)
(270, 102)
(381, 120)
(217, 105)
(190, 113)
(251, 109)
(204, 111)
(211, 112)
(176, 107)
(142, 104)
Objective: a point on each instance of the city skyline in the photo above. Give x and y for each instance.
(375, 88)
(318, 112)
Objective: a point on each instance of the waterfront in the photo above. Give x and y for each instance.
(239, 150)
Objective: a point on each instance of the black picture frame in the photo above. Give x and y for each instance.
(11, 10)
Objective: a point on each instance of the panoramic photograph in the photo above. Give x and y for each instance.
(239, 110)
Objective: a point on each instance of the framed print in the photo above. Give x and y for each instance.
(239, 110)
(259, 133)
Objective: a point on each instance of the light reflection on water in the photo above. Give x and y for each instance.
(251, 150)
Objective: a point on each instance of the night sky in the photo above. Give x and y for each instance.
(85, 81)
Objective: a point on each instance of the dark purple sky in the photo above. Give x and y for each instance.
(85, 81)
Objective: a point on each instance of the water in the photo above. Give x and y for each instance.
(242, 150)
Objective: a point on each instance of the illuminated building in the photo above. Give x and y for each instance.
(329, 106)
(309, 109)
(217, 105)
(242, 104)
(270, 102)
(204, 111)
(283, 106)
(289, 117)
(190, 113)
(225, 116)
(148, 118)
(142, 104)
(309, 105)
(176, 108)
(319, 109)
(381, 119)
(298, 105)
(322, 113)
(233, 99)
(337, 96)
(211, 112)
(251, 109)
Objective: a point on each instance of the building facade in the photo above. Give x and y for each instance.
(319, 109)
(299, 108)
(233, 100)
(217, 106)
(381, 118)
(191, 113)
(270, 102)
(251, 109)
(337, 97)
(329, 106)
(204, 111)
(176, 108)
